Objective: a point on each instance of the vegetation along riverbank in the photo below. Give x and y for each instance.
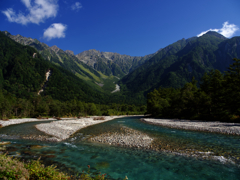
(216, 97)
(14, 169)
(68, 101)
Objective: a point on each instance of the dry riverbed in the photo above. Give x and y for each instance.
(24, 120)
(63, 129)
(127, 138)
(209, 126)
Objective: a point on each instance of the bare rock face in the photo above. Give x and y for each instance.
(91, 52)
(89, 57)
(70, 52)
(55, 48)
(111, 63)
(34, 55)
(6, 33)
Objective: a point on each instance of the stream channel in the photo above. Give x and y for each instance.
(185, 154)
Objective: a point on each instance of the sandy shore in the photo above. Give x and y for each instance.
(63, 129)
(218, 127)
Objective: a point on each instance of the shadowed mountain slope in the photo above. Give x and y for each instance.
(23, 73)
(177, 63)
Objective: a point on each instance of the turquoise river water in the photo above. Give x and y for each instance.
(74, 154)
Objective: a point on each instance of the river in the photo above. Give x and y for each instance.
(75, 154)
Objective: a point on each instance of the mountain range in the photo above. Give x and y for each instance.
(178, 63)
(171, 66)
(23, 74)
(93, 66)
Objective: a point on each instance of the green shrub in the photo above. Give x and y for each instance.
(39, 171)
(11, 169)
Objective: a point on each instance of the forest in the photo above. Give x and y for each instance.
(216, 98)
(22, 76)
(38, 106)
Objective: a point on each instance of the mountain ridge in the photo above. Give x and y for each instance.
(177, 63)
(23, 74)
(68, 61)
(171, 66)
(108, 63)
(92, 66)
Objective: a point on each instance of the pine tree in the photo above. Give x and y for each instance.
(232, 86)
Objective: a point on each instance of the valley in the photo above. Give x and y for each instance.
(172, 66)
(119, 90)
(195, 79)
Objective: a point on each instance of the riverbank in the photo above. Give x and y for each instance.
(209, 126)
(63, 129)
(131, 138)
(24, 120)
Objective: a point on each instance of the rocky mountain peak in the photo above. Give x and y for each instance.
(70, 52)
(91, 52)
(6, 33)
(19, 36)
(55, 48)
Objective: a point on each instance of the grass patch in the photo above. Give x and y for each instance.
(13, 169)
(107, 81)
(56, 63)
(82, 77)
(86, 70)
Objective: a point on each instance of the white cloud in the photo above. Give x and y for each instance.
(38, 11)
(56, 30)
(227, 30)
(27, 3)
(76, 6)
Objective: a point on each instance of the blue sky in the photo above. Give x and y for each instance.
(132, 27)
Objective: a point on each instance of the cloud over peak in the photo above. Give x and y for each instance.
(56, 30)
(227, 30)
(38, 11)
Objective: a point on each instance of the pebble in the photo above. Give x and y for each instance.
(24, 120)
(63, 129)
(127, 138)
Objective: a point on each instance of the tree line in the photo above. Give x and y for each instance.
(38, 106)
(216, 98)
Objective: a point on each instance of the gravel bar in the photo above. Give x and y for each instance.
(63, 129)
(24, 120)
(127, 138)
(209, 126)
